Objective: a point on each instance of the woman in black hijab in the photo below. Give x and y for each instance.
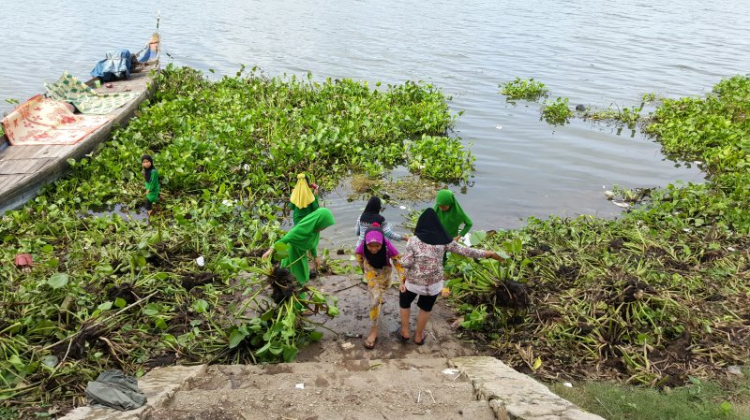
(423, 261)
(372, 215)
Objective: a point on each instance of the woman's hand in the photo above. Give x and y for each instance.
(267, 254)
(402, 288)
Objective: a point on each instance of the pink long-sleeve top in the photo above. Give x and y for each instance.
(424, 264)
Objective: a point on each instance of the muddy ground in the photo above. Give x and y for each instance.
(353, 320)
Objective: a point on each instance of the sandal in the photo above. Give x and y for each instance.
(402, 338)
(369, 346)
(419, 343)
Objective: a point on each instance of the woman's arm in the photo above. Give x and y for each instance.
(467, 226)
(407, 260)
(389, 233)
(455, 248)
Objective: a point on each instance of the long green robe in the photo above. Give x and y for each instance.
(454, 217)
(302, 238)
(298, 214)
(152, 186)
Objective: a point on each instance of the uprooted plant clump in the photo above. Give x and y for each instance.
(660, 294)
(188, 285)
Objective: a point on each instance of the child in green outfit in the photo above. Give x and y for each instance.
(152, 182)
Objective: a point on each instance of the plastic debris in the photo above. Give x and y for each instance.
(402, 207)
(450, 371)
(300, 386)
(24, 261)
(200, 261)
(609, 194)
(347, 346)
(50, 361)
(735, 370)
(620, 204)
(568, 384)
(499, 127)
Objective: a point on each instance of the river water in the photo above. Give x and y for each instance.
(598, 54)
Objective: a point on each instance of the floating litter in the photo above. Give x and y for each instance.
(402, 207)
(620, 204)
(499, 127)
(300, 386)
(450, 371)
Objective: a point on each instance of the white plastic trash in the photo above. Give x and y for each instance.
(200, 261)
(300, 386)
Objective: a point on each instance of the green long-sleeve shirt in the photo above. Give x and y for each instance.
(152, 187)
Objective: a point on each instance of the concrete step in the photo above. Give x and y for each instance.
(446, 402)
(343, 374)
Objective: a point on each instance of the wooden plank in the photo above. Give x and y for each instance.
(10, 181)
(35, 152)
(22, 166)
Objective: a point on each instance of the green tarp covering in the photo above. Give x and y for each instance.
(84, 98)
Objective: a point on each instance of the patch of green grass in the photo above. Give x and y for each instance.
(527, 89)
(696, 401)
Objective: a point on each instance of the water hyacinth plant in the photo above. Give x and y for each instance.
(526, 89)
(556, 112)
(112, 291)
(655, 297)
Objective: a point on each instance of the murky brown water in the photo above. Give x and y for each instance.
(596, 54)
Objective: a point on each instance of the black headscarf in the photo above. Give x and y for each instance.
(372, 212)
(147, 172)
(379, 259)
(429, 229)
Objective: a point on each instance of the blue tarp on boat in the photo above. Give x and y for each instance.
(116, 65)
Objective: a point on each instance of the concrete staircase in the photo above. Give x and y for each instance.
(356, 389)
(337, 379)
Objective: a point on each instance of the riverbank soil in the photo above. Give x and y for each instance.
(344, 337)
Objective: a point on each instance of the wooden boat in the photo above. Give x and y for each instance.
(24, 169)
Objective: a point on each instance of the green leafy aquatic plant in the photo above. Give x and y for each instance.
(654, 297)
(556, 112)
(112, 289)
(455, 163)
(526, 89)
(630, 116)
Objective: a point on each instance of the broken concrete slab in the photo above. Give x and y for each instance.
(513, 395)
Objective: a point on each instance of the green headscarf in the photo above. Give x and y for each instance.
(452, 218)
(302, 238)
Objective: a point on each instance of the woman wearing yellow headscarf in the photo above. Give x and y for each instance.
(304, 199)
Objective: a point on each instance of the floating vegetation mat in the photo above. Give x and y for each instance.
(105, 291)
(656, 296)
(406, 189)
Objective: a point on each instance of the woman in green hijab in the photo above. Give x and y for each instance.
(451, 214)
(302, 238)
